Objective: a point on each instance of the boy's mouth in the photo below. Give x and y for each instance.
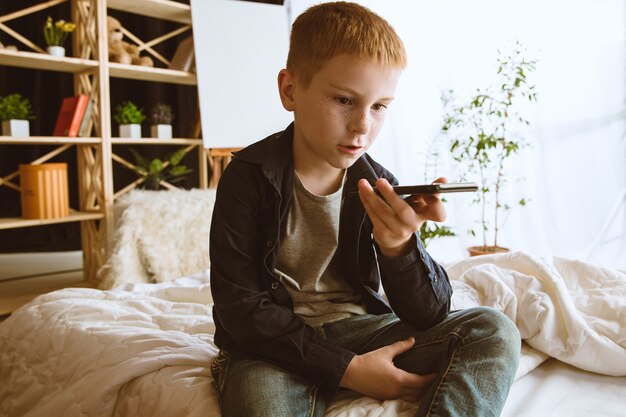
(352, 150)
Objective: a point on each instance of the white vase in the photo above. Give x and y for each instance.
(16, 128)
(130, 131)
(161, 131)
(56, 51)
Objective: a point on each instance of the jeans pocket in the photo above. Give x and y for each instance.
(219, 368)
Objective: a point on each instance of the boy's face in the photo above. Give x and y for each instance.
(339, 114)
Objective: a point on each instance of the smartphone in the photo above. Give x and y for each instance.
(436, 188)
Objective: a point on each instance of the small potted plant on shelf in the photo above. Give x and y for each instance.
(15, 113)
(55, 34)
(157, 170)
(161, 118)
(484, 133)
(129, 117)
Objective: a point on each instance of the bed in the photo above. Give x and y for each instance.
(144, 346)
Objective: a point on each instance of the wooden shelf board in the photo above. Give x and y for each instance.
(39, 61)
(45, 140)
(74, 216)
(160, 9)
(138, 72)
(153, 141)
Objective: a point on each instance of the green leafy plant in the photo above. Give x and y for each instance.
(128, 113)
(156, 170)
(484, 133)
(431, 230)
(55, 33)
(161, 114)
(14, 106)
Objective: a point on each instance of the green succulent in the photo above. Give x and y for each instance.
(156, 170)
(128, 113)
(14, 106)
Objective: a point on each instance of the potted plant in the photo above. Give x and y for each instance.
(129, 117)
(161, 118)
(55, 34)
(484, 133)
(15, 111)
(431, 230)
(157, 170)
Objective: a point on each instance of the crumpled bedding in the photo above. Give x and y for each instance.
(145, 349)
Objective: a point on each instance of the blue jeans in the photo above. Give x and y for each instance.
(474, 352)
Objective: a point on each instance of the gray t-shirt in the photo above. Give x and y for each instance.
(307, 262)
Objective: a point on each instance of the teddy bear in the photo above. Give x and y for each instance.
(123, 52)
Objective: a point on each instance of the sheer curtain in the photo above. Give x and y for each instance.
(574, 172)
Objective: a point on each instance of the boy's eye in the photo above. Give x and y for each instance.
(343, 100)
(379, 107)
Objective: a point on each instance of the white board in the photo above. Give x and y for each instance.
(239, 48)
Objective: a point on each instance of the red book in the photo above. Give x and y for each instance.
(70, 115)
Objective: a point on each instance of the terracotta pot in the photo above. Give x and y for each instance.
(486, 250)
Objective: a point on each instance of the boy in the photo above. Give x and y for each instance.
(297, 259)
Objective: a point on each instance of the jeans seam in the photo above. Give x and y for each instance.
(312, 401)
(435, 400)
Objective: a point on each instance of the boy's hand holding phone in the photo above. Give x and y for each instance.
(396, 219)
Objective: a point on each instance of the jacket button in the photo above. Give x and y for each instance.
(269, 243)
(275, 285)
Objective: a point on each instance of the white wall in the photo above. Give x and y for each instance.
(574, 173)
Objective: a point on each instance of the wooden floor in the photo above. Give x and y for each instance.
(23, 276)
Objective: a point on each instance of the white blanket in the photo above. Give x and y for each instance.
(145, 349)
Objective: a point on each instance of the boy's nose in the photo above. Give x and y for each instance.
(360, 123)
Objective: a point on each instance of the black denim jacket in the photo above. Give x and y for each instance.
(253, 311)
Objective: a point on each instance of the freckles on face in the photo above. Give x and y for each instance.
(340, 113)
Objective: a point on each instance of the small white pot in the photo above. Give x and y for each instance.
(130, 131)
(161, 131)
(16, 128)
(56, 51)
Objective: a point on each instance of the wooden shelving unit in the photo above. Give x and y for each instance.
(159, 9)
(152, 74)
(41, 61)
(47, 140)
(74, 216)
(96, 155)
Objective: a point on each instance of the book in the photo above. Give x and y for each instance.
(70, 115)
(85, 125)
(183, 59)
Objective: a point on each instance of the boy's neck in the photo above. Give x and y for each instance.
(320, 182)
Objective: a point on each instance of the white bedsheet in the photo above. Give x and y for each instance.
(144, 349)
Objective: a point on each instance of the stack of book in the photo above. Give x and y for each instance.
(74, 117)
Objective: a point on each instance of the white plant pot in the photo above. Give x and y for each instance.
(16, 128)
(130, 131)
(56, 51)
(161, 131)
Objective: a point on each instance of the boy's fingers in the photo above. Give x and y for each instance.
(400, 346)
(396, 202)
(375, 206)
(393, 209)
(418, 382)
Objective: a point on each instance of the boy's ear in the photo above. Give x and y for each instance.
(286, 87)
